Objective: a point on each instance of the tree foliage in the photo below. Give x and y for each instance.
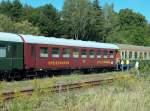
(6, 25)
(75, 18)
(24, 27)
(82, 20)
(78, 19)
(13, 9)
(46, 18)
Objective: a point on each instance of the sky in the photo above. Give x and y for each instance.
(141, 6)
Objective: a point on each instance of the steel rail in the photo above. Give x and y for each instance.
(62, 88)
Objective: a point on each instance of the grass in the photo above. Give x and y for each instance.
(123, 95)
(47, 82)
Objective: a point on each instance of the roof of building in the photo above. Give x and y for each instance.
(66, 42)
(10, 37)
(133, 47)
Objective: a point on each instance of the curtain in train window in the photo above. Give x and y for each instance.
(55, 52)
(111, 54)
(92, 53)
(2, 51)
(43, 52)
(135, 55)
(66, 53)
(145, 55)
(99, 54)
(83, 53)
(76, 53)
(105, 54)
(141, 55)
(122, 55)
(130, 55)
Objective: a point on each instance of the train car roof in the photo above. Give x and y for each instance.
(133, 47)
(66, 42)
(9, 37)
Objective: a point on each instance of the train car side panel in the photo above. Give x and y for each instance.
(11, 55)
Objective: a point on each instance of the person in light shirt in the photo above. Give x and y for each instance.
(128, 64)
(122, 65)
(137, 68)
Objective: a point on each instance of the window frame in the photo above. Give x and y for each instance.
(83, 53)
(123, 54)
(130, 55)
(66, 54)
(111, 55)
(55, 55)
(46, 55)
(75, 53)
(141, 55)
(99, 54)
(105, 56)
(136, 55)
(5, 52)
(145, 55)
(91, 53)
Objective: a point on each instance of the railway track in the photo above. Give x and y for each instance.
(62, 88)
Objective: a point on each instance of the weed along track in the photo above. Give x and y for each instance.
(61, 88)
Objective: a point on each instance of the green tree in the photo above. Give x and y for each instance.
(82, 20)
(111, 24)
(16, 10)
(136, 26)
(12, 9)
(6, 25)
(98, 22)
(24, 27)
(128, 17)
(46, 18)
(6, 7)
(129, 28)
(75, 18)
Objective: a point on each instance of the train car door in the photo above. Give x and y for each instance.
(33, 56)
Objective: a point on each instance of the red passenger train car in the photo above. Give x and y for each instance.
(49, 53)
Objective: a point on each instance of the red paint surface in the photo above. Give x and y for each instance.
(62, 63)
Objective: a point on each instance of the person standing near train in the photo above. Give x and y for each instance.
(128, 64)
(122, 65)
(137, 68)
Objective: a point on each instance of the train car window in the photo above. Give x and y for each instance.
(135, 55)
(130, 55)
(145, 55)
(105, 54)
(92, 53)
(83, 53)
(111, 54)
(55, 52)
(2, 51)
(122, 54)
(125, 54)
(66, 53)
(43, 52)
(99, 54)
(76, 53)
(141, 55)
